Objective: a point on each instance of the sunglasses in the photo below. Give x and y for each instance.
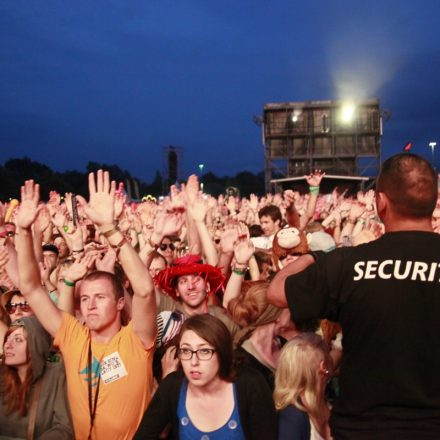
(163, 247)
(12, 307)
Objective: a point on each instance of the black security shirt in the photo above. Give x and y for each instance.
(386, 296)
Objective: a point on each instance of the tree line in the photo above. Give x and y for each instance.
(15, 171)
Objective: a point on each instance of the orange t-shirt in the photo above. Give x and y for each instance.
(126, 380)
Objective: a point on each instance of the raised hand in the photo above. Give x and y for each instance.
(120, 199)
(28, 211)
(228, 238)
(167, 223)
(192, 188)
(315, 178)
(43, 220)
(243, 246)
(198, 210)
(59, 219)
(45, 270)
(100, 209)
(356, 210)
(289, 196)
(79, 267)
(253, 202)
(107, 262)
(177, 199)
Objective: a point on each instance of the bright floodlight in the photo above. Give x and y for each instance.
(294, 118)
(347, 113)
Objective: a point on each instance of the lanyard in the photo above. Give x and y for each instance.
(92, 405)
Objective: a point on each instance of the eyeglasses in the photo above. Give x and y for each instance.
(12, 307)
(203, 354)
(163, 246)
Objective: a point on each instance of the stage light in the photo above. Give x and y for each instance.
(347, 112)
(295, 115)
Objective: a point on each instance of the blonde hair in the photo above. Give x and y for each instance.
(297, 380)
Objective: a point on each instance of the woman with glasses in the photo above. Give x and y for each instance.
(167, 249)
(15, 305)
(206, 399)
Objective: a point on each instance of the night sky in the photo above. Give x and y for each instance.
(115, 82)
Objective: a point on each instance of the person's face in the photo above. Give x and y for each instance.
(156, 266)
(62, 247)
(167, 249)
(192, 289)
(51, 257)
(18, 308)
(269, 226)
(15, 349)
(264, 274)
(98, 304)
(199, 373)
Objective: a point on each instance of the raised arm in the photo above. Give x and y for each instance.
(29, 273)
(100, 210)
(276, 294)
(314, 180)
(243, 251)
(197, 211)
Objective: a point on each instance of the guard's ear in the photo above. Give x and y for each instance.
(382, 202)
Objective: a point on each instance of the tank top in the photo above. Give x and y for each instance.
(231, 430)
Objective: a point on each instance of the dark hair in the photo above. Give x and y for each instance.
(213, 331)
(409, 181)
(116, 284)
(50, 248)
(271, 211)
(156, 256)
(255, 231)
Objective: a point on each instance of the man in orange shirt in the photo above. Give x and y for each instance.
(108, 367)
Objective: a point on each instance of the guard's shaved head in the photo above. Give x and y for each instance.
(410, 183)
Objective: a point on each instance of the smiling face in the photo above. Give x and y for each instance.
(192, 289)
(199, 373)
(269, 226)
(99, 306)
(15, 349)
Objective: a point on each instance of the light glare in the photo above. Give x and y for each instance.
(347, 112)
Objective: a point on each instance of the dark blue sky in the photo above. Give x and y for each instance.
(115, 82)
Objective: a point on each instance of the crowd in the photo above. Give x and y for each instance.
(289, 316)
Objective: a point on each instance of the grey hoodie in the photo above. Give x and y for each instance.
(53, 419)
